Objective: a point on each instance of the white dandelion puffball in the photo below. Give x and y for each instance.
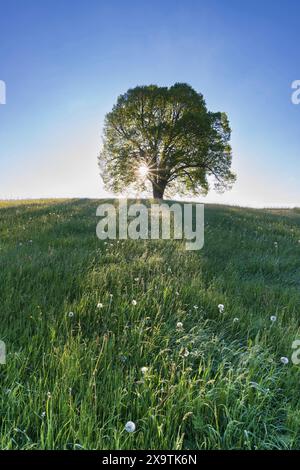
(284, 360)
(130, 426)
(221, 308)
(144, 370)
(134, 302)
(179, 325)
(185, 352)
(99, 305)
(273, 318)
(71, 314)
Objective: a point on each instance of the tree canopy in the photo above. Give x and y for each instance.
(165, 138)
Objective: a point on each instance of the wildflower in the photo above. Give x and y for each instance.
(196, 307)
(235, 320)
(130, 426)
(276, 244)
(179, 325)
(111, 296)
(71, 314)
(273, 318)
(284, 360)
(144, 370)
(43, 414)
(134, 302)
(49, 395)
(136, 279)
(99, 305)
(185, 352)
(221, 308)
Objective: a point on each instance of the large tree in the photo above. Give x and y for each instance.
(166, 138)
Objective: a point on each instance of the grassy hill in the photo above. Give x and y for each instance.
(73, 376)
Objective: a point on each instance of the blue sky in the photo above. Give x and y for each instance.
(66, 61)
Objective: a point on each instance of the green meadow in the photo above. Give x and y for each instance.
(102, 333)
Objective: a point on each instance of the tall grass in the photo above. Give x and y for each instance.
(73, 375)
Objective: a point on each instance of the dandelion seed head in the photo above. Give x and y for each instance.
(221, 308)
(144, 370)
(273, 318)
(179, 325)
(284, 360)
(130, 426)
(71, 314)
(185, 352)
(134, 302)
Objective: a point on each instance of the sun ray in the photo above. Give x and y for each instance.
(143, 171)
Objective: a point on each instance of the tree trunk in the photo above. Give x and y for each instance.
(158, 191)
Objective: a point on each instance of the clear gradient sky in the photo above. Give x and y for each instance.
(66, 61)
